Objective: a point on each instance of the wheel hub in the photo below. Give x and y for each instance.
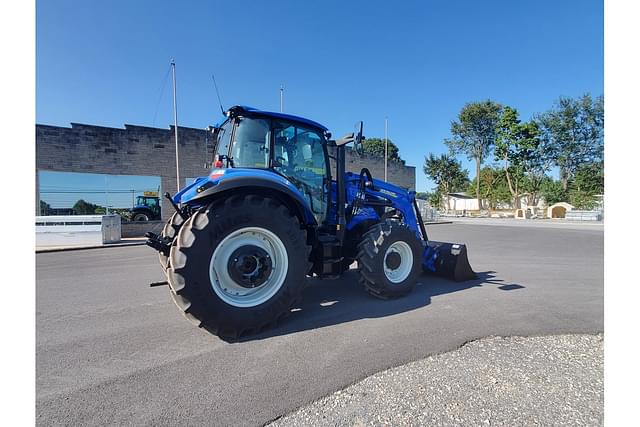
(393, 260)
(249, 266)
(398, 261)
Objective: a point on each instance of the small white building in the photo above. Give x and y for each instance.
(461, 202)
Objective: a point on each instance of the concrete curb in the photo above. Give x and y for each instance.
(80, 248)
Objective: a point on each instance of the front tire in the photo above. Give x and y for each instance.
(389, 259)
(239, 265)
(141, 217)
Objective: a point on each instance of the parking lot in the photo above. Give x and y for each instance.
(111, 350)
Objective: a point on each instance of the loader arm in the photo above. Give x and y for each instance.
(444, 259)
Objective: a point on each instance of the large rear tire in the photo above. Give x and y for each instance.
(239, 265)
(389, 259)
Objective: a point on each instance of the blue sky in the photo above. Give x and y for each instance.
(416, 62)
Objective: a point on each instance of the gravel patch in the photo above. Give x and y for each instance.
(549, 380)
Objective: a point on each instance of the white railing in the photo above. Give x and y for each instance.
(74, 230)
(579, 215)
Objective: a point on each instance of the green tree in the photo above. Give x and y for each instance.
(588, 181)
(475, 133)
(375, 147)
(435, 199)
(553, 192)
(422, 195)
(574, 133)
(525, 158)
(493, 186)
(446, 172)
(45, 208)
(82, 207)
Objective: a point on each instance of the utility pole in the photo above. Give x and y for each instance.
(175, 123)
(281, 98)
(385, 149)
(106, 194)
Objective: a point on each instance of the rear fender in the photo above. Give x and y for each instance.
(230, 181)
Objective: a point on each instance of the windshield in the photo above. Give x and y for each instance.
(146, 201)
(250, 148)
(224, 138)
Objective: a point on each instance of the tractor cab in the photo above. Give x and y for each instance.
(146, 207)
(292, 147)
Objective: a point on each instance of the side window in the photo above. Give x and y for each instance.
(299, 155)
(250, 147)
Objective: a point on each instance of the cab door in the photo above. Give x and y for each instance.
(300, 155)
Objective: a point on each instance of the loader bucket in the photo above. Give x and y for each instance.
(448, 260)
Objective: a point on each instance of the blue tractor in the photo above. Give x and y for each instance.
(243, 239)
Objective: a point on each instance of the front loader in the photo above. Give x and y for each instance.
(243, 239)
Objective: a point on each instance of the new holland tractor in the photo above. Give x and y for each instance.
(243, 239)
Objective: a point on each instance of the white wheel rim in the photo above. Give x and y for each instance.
(227, 288)
(401, 273)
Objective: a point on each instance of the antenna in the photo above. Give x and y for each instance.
(281, 98)
(217, 93)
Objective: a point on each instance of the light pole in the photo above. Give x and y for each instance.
(175, 123)
(385, 149)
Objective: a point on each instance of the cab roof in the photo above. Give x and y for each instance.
(243, 108)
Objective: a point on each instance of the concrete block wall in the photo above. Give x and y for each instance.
(397, 173)
(134, 150)
(140, 150)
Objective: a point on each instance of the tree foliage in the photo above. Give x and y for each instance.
(524, 155)
(82, 207)
(375, 146)
(574, 132)
(589, 179)
(493, 186)
(588, 182)
(45, 208)
(474, 134)
(553, 192)
(446, 172)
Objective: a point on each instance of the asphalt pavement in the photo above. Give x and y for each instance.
(111, 350)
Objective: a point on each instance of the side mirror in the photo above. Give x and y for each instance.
(357, 144)
(345, 139)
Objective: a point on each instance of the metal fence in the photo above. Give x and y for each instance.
(428, 213)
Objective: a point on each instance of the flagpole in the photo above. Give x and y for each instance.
(175, 123)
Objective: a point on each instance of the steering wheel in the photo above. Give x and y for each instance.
(357, 143)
